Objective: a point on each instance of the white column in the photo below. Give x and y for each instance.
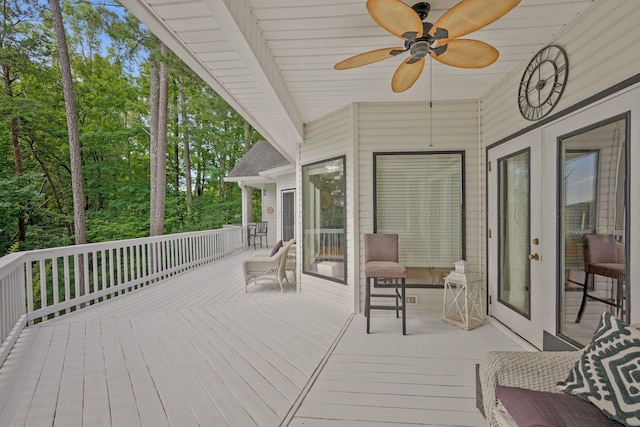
(247, 206)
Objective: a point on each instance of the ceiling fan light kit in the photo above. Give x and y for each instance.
(439, 40)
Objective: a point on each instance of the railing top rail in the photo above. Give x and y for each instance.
(8, 260)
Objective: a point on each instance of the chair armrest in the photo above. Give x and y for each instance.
(531, 370)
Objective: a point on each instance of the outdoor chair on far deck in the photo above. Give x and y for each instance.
(381, 262)
(260, 232)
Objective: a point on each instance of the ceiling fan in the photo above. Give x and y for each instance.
(439, 40)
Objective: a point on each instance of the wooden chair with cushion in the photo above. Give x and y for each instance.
(381, 262)
(603, 257)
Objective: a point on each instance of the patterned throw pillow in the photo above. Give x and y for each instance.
(608, 373)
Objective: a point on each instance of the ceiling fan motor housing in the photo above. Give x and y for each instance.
(420, 49)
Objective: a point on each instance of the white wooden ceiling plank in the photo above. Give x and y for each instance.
(319, 10)
(192, 24)
(228, 55)
(314, 23)
(226, 65)
(207, 46)
(192, 9)
(202, 36)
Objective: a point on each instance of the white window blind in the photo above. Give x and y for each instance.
(419, 197)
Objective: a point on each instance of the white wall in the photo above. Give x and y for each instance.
(602, 47)
(389, 127)
(270, 201)
(325, 138)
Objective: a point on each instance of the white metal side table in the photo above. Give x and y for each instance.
(463, 302)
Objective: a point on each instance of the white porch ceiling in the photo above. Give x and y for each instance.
(272, 60)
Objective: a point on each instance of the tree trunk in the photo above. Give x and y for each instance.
(72, 126)
(157, 220)
(187, 154)
(74, 141)
(176, 146)
(247, 136)
(15, 142)
(154, 85)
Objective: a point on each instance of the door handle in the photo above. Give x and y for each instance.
(534, 257)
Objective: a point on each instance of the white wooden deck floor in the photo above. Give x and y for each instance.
(196, 350)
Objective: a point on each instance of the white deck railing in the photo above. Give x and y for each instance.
(36, 285)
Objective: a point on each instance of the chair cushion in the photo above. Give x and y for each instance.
(276, 248)
(531, 408)
(608, 372)
(384, 269)
(607, 269)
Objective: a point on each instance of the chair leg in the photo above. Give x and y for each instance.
(397, 295)
(583, 304)
(404, 309)
(367, 301)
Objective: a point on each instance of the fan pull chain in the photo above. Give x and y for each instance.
(430, 102)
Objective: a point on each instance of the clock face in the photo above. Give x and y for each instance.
(543, 82)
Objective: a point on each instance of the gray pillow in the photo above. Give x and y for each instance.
(276, 248)
(531, 408)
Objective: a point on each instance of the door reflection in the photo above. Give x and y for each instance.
(592, 227)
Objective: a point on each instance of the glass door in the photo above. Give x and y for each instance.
(288, 215)
(514, 237)
(592, 182)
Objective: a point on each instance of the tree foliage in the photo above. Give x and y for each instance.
(111, 56)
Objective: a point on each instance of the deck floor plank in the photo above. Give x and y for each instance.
(122, 403)
(45, 395)
(197, 349)
(96, 411)
(71, 394)
(159, 361)
(233, 380)
(278, 356)
(424, 378)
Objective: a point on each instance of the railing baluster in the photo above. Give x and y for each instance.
(67, 279)
(95, 272)
(43, 284)
(56, 287)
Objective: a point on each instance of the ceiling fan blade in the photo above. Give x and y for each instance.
(465, 53)
(471, 15)
(407, 74)
(396, 17)
(369, 58)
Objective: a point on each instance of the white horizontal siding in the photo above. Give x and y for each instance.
(328, 137)
(595, 64)
(389, 127)
(270, 200)
(602, 47)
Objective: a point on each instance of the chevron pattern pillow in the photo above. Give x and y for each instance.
(608, 373)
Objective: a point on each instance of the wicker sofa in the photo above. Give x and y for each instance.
(530, 370)
(597, 386)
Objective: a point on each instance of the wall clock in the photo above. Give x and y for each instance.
(543, 82)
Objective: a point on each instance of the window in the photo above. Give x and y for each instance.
(420, 197)
(288, 215)
(324, 219)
